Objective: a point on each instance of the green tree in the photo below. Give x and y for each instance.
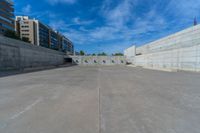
(118, 54)
(93, 54)
(82, 53)
(11, 34)
(102, 54)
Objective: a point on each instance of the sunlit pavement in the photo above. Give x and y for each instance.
(100, 100)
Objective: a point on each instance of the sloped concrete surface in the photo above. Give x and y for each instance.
(90, 99)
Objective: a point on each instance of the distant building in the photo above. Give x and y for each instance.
(42, 35)
(67, 46)
(27, 28)
(54, 40)
(6, 16)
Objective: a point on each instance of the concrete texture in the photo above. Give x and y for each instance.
(15, 55)
(99, 60)
(130, 54)
(102, 99)
(178, 59)
(180, 51)
(185, 38)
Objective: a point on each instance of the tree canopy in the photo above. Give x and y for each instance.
(102, 54)
(118, 54)
(82, 52)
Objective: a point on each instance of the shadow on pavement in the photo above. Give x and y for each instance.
(30, 70)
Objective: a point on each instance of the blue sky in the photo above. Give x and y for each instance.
(112, 25)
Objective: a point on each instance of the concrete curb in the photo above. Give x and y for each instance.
(131, 66)
(156, 69)
(161, 69)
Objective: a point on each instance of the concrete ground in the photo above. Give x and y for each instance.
(100, 100)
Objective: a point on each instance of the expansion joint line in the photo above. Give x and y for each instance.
(100, 131)
(99, 98)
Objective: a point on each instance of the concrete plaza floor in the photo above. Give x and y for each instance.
(100, 100)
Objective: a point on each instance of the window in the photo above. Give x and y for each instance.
(25, 30)
(25, 26)
(7, 20)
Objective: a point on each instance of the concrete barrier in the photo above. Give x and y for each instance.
(185, 38)
(179, 51)
(187, 59)
(18, 55)
(99, 60)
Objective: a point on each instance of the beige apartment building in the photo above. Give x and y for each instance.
(40, 34)
(27, 29)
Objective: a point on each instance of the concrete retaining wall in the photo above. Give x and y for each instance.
(187, 58)
(130, 54)
(99, 60)
(16, 54)
(186, 38)
(179, 51)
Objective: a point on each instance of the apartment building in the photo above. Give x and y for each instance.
(27, 29)
(6, 16)
(67, 46)
(54, 40)
(42, 35)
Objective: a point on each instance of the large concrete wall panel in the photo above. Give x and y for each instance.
(186, 38)
(179, 59)
(16, 54)
(99, 60)
(9, 57)
(180, 51)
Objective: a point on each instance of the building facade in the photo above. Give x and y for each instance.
(26, 29)
(6, 16)
(54, 40)
(42, 35)
(67, 46)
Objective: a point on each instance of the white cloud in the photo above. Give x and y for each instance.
(78, 21)
(26, 9)
(122, 26)
(105, 33)
(61, 1)
(185, 8)
(115, 29)
(57, 24)
(61, 24)
(120, 14)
